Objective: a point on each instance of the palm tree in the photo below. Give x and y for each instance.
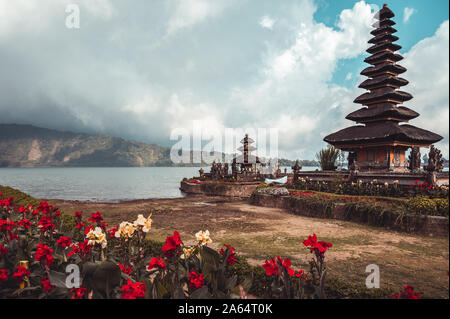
(327, 158)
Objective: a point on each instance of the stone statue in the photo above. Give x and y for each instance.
(352, 157)
(296, 169)
(414, 159)
(435, 161)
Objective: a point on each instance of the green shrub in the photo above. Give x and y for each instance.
(442, 206)
(20, 198)
(422, 206)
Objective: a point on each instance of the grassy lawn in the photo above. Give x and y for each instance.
(260, 232)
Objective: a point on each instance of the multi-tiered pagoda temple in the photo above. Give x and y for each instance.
(246, 160)
(380, 143)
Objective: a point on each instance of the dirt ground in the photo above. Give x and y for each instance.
(260, 232)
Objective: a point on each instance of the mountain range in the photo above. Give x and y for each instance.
(31, 146)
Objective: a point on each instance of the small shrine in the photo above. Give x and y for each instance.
(248, 163)
(380, 143)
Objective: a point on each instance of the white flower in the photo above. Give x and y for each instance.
(144, 223)
(203, 237)
(97, 236)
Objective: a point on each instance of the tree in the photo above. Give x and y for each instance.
(327, 158)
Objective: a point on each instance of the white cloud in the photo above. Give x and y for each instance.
(407, 13)
(348, 76)
(188, 13)
(294, 93)
(37, 16)
(428, 73)
(267, 22)
(235, 76)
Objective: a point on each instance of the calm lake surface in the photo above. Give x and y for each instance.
(100, 184)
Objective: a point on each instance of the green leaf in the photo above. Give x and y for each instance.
(201, 293)
(57, 279)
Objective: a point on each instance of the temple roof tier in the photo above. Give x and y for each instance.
(385, 46)
(383, 95)
(246, 148)
(382, 112)
(383, 37)
(383, 23)
(383, 132)
(383, 80)
(250, 159)
(383, 68)
(247, 139)
(384, 13)
(384, 29)
(383, 56)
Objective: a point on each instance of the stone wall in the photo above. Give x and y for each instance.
(426, 225)
(243, 190)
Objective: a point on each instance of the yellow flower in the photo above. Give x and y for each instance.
(97, 236)
(144, 223)
(126, 230)
(188, 252)
(203, 237)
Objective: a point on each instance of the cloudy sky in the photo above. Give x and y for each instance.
(138, 69)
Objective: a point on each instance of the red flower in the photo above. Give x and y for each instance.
(172, 244)
(13, 236)
(25, 223)
(125, 270)
(271, 267)
(78, 215)
(231, 259)
(112, 231)
(196, 280)
(286, 264)
(133, 290)
(7, 202)
(78, 293)
(3, 275)
(88, 229)
(299, 273)
(156, 263)
(6, 226)
(82, 249)
(44, 208)
(96, 217)
(64, 241)
(408, 293)
(46, 284)
(313, 244)
(44, 254)
(3, 250)
(45, 223)
(80, 225)
(21, 273)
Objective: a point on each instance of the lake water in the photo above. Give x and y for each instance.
(100, 184)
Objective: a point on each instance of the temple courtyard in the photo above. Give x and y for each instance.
(260, 232)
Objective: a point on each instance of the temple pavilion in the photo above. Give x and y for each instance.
(247, 161)
(380, 142)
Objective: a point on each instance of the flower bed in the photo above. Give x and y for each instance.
(374, 188)
(38, 243)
